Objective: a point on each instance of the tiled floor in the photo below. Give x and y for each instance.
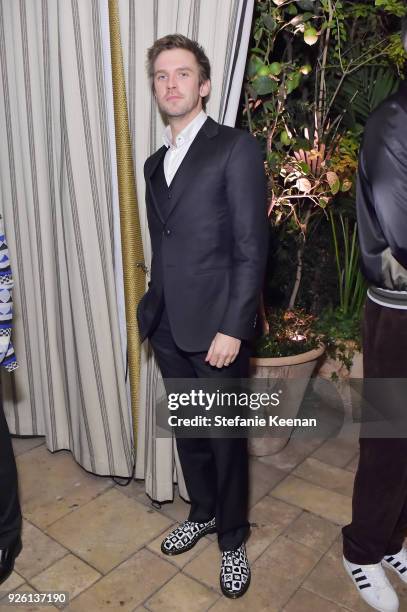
(101, 542)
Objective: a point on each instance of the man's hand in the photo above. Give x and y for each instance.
(223, 350)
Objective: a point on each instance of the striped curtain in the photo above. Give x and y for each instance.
(59, 200)
(58, 206)
(223, 28)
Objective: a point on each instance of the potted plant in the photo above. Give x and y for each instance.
(315, 71)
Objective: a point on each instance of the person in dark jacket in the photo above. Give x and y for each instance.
(206, 207)
(10, 511)
(374, 539)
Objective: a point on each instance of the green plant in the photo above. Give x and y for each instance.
(340, 332)
(351, 284)
(316, 70)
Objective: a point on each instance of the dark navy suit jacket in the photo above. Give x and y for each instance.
(209, 248)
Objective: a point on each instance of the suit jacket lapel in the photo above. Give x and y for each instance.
(157, 158)
(192, 162)
(189, 167)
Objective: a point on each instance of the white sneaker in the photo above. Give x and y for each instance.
(373, 586)
(398, 563)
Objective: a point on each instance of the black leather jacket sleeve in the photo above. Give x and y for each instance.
(381, 200)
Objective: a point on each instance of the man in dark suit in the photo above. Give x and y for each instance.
(374, 539)
(206, 207)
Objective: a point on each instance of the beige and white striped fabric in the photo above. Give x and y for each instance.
(56, 196)
(60, 204)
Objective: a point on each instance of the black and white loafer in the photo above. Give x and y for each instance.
(185, 536)
(235, 572)
(397, 563)
(373, 586)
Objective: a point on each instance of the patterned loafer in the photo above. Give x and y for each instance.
(185, 536)
(234, 572)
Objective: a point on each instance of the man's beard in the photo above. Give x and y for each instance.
(181, 111)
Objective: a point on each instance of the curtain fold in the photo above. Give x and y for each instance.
(57, 203)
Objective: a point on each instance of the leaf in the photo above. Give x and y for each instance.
(333, 182)
(307, 16)
(364, 90)
(255, 63)
(263, 85)
(304, 167)
(310, 36)
(306, 5)
(269, 22)
(346, 185)
(293, 81)
(258, 34)
(303, 185)
(275, 68)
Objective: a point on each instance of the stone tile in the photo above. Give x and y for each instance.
(332, 506)
(268, 518)
(276, 575)
(127, 586)
(25, 588)
(135, 489)
(179, 560)
(39, 551)
(178, 510)
(313, 531)
(68, 574)
(337, 451)
(23, 445)
(182, 594)
(305, 601)
(12, 583)
(206, 567)
(329, 580)
(52, 485)
(325, 475)
(108, 529)
(352, 466)
(262, 479)
(296, 451)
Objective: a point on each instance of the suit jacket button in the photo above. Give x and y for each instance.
(167, 232)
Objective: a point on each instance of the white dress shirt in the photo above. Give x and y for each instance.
(176, 152)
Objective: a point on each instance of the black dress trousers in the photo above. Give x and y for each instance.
(379, 504)
(215, 469)
(10, 513)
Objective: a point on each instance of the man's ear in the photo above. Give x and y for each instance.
(205, 88)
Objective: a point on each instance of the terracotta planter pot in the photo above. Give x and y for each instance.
(298, 367)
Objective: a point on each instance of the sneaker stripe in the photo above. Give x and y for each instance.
(364, 586)
(402, 570)
(360, 578)
(396, 564)
(356, 571)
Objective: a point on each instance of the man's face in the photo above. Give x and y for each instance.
(176, 83)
